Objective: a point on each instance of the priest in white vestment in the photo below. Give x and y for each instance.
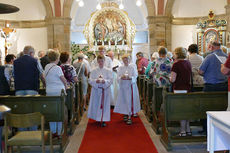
(114, 87)
(100, 80)
(128, 101)
(108, 62)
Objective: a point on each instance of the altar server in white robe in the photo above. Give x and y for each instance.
(100, 80)
(114, 87)
(108, 62)
(128, 101)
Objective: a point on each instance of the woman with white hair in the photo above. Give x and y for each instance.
(154, 56)
(161, 69)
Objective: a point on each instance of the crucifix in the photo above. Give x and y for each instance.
(6, 31)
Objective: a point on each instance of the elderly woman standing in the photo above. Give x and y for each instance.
(55, 83)
(181, 77)
(161, 69)
(128, 101)
(195, 61)
(67, 68)
(82, 73)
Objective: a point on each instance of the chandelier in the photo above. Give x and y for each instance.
(80, 3)
(120, 2)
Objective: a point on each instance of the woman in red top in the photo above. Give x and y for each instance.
(181, 78)
(225, 69)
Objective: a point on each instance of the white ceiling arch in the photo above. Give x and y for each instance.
(80, 15)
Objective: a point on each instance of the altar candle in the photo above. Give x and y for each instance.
(95, 42)
(109, 44)
(102, 42)
(123, 43)
(116, 41)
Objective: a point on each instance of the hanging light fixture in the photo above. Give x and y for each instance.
(6, 8)
(139, 3)
(121, 6)
(81, 3)
(98, 6)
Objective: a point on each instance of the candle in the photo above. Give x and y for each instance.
(102, 42)
(123, 43)
(95, 42)
(109, 44)
(116, 41)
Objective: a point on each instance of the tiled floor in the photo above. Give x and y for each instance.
(76, 138)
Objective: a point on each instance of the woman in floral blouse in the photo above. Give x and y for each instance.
(161, 68)
(67, 68)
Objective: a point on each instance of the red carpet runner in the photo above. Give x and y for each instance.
(117, 137)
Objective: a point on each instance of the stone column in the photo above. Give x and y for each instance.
(227, 7)
(58, 31)
(159, 32)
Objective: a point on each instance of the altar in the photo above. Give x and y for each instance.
(218, 131)
(110, 27)
(211, 30)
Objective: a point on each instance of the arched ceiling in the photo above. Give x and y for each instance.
(29, 10)
(80, 15)
(196, 8)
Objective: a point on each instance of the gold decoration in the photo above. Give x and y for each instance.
(109, 4)
(110, 26)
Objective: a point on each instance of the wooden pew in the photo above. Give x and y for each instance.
(144, 95)
(78, 102)
(157, 100)
(189, 106)
(148, 98)
(140, 84)
(52, 107)
(70, 104)
(156, 105)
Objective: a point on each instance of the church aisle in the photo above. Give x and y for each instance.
(77, 137)
(117, 137)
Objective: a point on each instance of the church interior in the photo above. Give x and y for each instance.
(134, 27)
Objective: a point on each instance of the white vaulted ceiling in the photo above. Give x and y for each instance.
(80, 15)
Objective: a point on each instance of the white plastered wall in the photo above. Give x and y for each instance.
(195, 8)
(183, 35)
(37, 37)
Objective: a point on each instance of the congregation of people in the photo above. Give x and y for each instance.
(113, 82)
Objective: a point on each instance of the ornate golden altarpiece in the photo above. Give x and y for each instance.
(210, 30)
(110, 27)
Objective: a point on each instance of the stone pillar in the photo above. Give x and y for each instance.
(58, 31)
(159, 32)
(227, 7)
